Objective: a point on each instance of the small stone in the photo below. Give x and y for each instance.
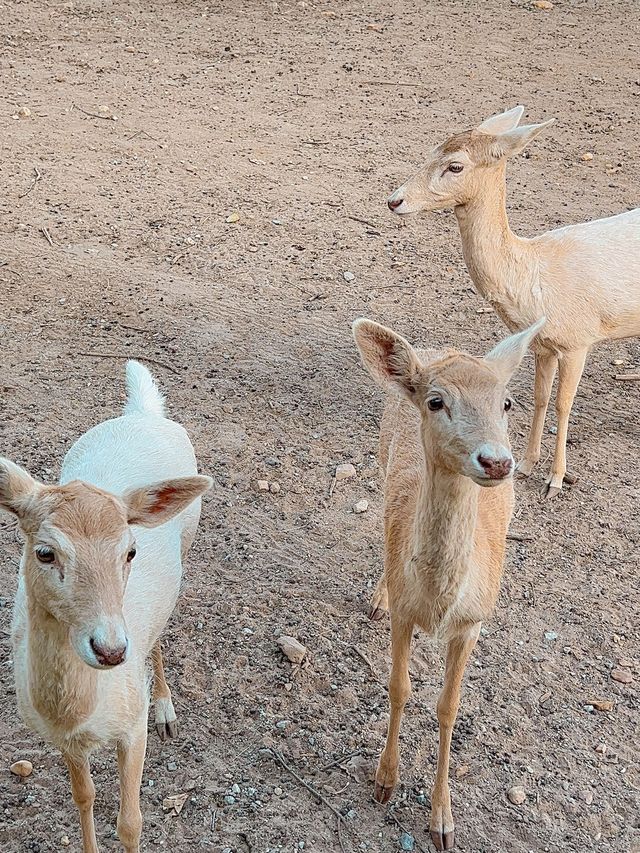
(361, 506)
(545, 5)
(345, 471)
(553, 430)
(24, 112)
(601, 748)
(586, 157)
(263, 486)
(348, 276)
(407, 841)
(129, 50)
(516, 795)
(22, 768)
(171, 765)
(292, 648)
(586, 796)
(227, 408)
(229, 800)
(233, 217)
(626, 662)
(550, 636)
(277, 792)
(235, 788)
(65, 841)
(622, 676)
(589, 709)
(601, 704)
(274, 488)
(282, 724)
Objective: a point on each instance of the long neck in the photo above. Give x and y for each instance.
(444, 528)
(496, 258)
(62, 687)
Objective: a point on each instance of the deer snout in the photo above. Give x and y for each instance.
(394, 201)
(495, 466)
(107, 656)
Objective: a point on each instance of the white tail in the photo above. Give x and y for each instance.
(143, 394)
(583, 277)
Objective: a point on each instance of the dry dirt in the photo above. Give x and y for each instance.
(301, 118)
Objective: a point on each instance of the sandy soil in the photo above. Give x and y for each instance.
(300, 118)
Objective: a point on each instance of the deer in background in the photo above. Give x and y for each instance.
(584, 278)
(443, 443)
(96, 588)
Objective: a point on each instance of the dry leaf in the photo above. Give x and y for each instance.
(233, 217)
(292, 648)
(602, 704)
(361, 769)
(175, 802)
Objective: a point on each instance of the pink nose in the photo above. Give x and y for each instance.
(106, 656)
(393, 203)
(496, 469)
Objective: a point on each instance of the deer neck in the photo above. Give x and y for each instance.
(62, 687)
(500, 263)
(444, 530)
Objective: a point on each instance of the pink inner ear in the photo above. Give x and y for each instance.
(162, 499)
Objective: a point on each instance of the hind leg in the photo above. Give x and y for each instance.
(379, 603)
(165, 714)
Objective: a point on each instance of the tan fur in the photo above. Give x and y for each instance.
(585, 278)
(444, 535)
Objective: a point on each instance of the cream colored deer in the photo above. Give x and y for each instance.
(585, 278)
(96, 588)
(443, 437)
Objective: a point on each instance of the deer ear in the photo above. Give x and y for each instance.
(389, 358)
(507, 355)
(17, 489)
(501, 122)
(151, 506)
(514, 141)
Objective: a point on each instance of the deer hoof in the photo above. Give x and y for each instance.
(382, 793)
(443, 840)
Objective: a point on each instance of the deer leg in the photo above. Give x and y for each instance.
(379, 603)
(545, 373)
(399, 692)
(84, 794)
(130, 765)
(458, 650)
(165, 714)
(569, 375)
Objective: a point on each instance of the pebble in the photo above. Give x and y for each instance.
(361, 506)
(235, 788)
(516, 795)
(348, 276)
(601, 748)
(65, 841)
(24, 112)
(345, 471)
(22, 768)
(282, 724)
(407, 841)
(229, 800)
(587, 156)
(622, 676)
(292, 648)
(263, 486)
(550, 636)
(587, 796)
(277, 792)
(589, 709)
(171, 765)
(274, 488)
(545, 5)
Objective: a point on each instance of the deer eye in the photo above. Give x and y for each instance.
(131, 555)
(508, 403)
(434, 404)
(45, 555)
(456, 168)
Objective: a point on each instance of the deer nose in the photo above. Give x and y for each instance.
(106, 655)
(495, 469)
(394, 202)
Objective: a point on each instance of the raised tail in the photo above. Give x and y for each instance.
(143, 395)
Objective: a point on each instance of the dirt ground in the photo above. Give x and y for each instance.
(153, 127)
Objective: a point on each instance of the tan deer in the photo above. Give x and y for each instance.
(443, 437)
(96, 588)
(584, 278)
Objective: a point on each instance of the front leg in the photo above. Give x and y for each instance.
(569, 375)
(458, 650)
(165, 714)
(130, 765)
(545, 373)
(399, 692)
(84, 794)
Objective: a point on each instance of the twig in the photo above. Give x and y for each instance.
(363, 222)
(128, 356)
(338, 761)
(214, 815)
(93, 115)
(627, 377)
(315, 142)
(332, 486)
(388, 83)
(139, 133)
(518, 537)
(45, 231)
(278, 757)
(301, 94)
(364, 658)
(37, 177)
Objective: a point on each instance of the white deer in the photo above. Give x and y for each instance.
(584, 278)
(96, 588)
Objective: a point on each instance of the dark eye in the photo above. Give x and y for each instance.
(45, 555)
(508, 404)
(456, 168)
(435, 404)
(131, 555)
